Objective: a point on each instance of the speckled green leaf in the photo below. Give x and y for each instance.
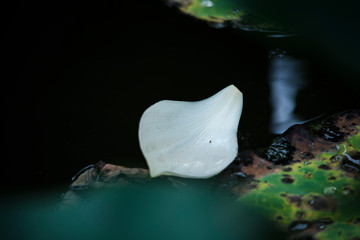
(233, 12)
(215, 10)
(313, 195)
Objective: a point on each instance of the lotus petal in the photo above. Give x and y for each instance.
(191, 139)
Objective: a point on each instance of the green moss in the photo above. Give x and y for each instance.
(355, 141)
(340, 231)
(215, 10)
(312, 190)
(233, 12)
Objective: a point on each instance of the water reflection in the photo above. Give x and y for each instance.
(206, 3)
(286, 78)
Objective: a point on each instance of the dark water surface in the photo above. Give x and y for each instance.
(82, 73)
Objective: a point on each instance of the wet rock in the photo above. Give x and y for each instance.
(328, 130)
(101, 175)
(321, 135)
(300, 137)
(351, 162)
(245, 158)
(299, 143)
(299, 176)
(259, 167)
(337, 127)
(280, 151)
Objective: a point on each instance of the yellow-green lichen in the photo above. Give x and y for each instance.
(312, 190)
(214, 10)
(355, 140)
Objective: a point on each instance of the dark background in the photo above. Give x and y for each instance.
(78, 75)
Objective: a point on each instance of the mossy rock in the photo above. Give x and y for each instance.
(316, 194)
(307, 181)
(227, 12)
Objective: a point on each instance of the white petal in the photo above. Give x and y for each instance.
(191, 139)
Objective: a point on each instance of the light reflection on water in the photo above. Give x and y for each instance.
(286, 78)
